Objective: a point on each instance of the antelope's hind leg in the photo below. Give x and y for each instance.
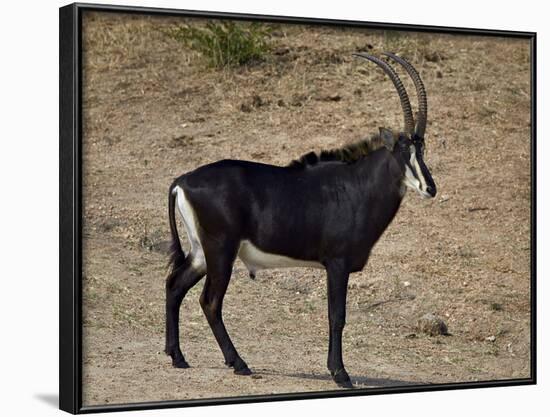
(178, 283)
(219, 258)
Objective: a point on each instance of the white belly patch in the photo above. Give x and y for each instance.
(255, 259)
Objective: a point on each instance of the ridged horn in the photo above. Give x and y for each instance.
(403, 97)
(422, 116)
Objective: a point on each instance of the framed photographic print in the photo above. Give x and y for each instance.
(261, 208)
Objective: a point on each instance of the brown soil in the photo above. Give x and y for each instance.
(153, 111)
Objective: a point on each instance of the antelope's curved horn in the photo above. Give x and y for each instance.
(422, 116)
(405, 103)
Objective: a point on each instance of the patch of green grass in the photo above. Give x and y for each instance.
(226, 43)
(392, 39)
(400, 43)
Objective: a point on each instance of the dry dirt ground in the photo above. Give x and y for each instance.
(153, 110)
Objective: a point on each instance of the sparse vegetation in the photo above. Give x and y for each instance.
(226, 44)
(392, 38)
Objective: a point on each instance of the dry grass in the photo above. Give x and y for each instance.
(153, 111)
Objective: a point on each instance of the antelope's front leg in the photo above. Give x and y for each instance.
(337, 287)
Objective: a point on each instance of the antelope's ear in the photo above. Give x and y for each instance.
(388, 138)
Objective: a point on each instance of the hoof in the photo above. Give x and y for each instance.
(240, 366)
(345, 384)
(243, 371)
(180, 363)
(341, 378)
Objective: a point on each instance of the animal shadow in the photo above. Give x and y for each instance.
(357, 381)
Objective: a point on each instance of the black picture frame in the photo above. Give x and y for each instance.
(70, 205)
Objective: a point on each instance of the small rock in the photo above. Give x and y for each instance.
(256, 376)
(432, 57)
(491, 338)
(298, 100)
(245, 108)
(333, 97)
(258, 101)
(432, 325)
(406, 284)
(329, 97)
(179, 141)
(281, 51)
(496, 306)
(439, 74)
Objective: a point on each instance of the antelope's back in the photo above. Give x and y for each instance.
(233, 196)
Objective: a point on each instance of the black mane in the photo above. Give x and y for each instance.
(347, 154)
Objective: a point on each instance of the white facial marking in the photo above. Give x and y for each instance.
(417, 183)
(414, 163)
(198, 261)
(255, 259)
(410, 180)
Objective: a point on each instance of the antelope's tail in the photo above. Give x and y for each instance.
(177, 256)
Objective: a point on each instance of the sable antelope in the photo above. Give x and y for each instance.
(324, 210)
